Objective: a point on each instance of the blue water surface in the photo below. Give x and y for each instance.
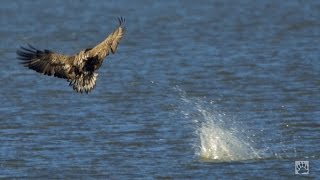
(197, 90)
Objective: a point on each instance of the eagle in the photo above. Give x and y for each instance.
(79, 69)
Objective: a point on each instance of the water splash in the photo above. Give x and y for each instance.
(219, 137)
(221, 144)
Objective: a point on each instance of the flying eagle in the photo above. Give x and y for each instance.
(79, 69)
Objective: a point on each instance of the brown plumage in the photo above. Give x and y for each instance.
(78, 69)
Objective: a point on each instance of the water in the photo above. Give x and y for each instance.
(219, 138)
(206, 90)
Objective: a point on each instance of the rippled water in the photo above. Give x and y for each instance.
(197, 90)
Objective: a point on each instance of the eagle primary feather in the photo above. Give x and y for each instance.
(79, 69)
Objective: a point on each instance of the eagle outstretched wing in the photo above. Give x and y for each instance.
(46, 61)
(117, 35)
(111, 42)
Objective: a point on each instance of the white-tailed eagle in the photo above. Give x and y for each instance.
(79, 69)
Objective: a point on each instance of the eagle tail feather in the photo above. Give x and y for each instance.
(84, 82)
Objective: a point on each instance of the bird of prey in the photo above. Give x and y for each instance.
(79, 69)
